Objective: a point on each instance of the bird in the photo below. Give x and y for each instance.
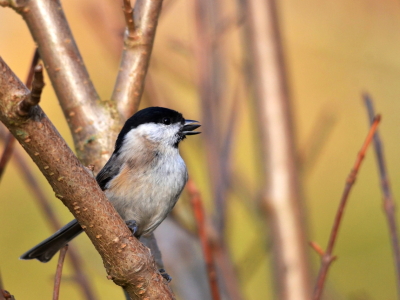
(143, 178)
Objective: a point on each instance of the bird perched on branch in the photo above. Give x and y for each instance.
(143, 178)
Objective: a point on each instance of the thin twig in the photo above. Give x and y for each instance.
(197, 206)
(316, 141)
(9, 144)
(35, 61)
(27, 104)
(128, 13)
(388, 199)
(57, 276)
(317, 248)
(7, 152)
(6, 295)
(327, 257)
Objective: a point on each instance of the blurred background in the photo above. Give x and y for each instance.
(333, 51)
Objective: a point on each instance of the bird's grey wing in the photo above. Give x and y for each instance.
(110, 170)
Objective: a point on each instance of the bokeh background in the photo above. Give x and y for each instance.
(334, 51)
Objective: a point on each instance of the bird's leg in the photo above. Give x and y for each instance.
(165, 275)
(132, 226)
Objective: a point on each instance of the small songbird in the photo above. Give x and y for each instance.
(143, 178)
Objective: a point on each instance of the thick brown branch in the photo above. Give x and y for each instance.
(136, 56)
(57, 276)
(94, 124)
(126, 260)
(44, 203)
(327, 257)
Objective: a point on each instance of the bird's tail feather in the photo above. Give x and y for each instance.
(50, 246)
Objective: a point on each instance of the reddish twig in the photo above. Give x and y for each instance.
(388, 199)
(327, 257)
(35, 61)
(57, 276)
(317, 248)
(37, 87)
(9, 144)
(128, 13)
(7, 152)
(6, 295)
(208, 252)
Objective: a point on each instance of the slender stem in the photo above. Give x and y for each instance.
(57, 276)
(7, 153)
(388, 199)
(208, 252)
(9, 144)
(37, 88)
(327, 257)
(128, 13)
(6, 295)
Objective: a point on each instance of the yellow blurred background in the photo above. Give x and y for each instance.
(334, 51)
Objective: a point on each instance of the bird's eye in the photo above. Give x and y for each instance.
(166, 121)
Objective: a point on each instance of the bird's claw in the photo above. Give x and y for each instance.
(165, 275)
(132, 226)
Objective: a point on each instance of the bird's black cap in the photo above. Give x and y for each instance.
(149, 115)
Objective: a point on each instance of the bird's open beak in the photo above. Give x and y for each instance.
(189, 126)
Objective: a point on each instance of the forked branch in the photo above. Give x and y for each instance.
(138, 44)
(327, 258)
(127, 261)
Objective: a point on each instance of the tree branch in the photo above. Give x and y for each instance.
(388, 198)
(206, 245)
(135, 59)
(128, 263)
(57, 276)
(327, 258)
(281, 195)
(9, 140)
(7, 153)
(94, 124)
(25, 106)
(44, 204)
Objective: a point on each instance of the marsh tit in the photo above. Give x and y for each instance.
(143, 178)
